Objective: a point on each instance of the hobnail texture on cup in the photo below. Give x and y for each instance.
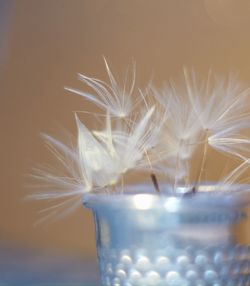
(145, 239)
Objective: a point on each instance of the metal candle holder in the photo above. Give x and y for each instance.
(171, 239)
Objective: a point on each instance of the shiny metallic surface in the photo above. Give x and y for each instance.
(152, 278)
(182, 261)
(135, 277)
(208, 268)
(152, 243)
(162, 263)
(143, 264)
(201, 260)
(173, 278)
(210, 276)
(120, 273)
(126, 260)
(191, 275)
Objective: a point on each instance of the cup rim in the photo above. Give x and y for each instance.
(141, 197)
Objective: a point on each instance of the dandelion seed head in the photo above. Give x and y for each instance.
(167, 132)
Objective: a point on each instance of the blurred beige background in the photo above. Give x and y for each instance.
(49, 41)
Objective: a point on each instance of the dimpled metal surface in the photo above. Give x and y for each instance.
(145, 239)
(212, 266)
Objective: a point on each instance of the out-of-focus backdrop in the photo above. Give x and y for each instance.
(44, 44)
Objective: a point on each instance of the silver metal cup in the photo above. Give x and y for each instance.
(172, 239)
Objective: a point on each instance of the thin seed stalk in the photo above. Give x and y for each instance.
(204, 158)
(113, 188)
(155, 182)
(122, 183)
(177, 165)
(152, 175)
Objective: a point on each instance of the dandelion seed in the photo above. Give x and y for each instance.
(179, 134)
(115, 99)
(221, 107)
(68, 186)
(94, 163)
(95, 158)
(164, 134)
(131, 142)
(236, 173)
(232, 142)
